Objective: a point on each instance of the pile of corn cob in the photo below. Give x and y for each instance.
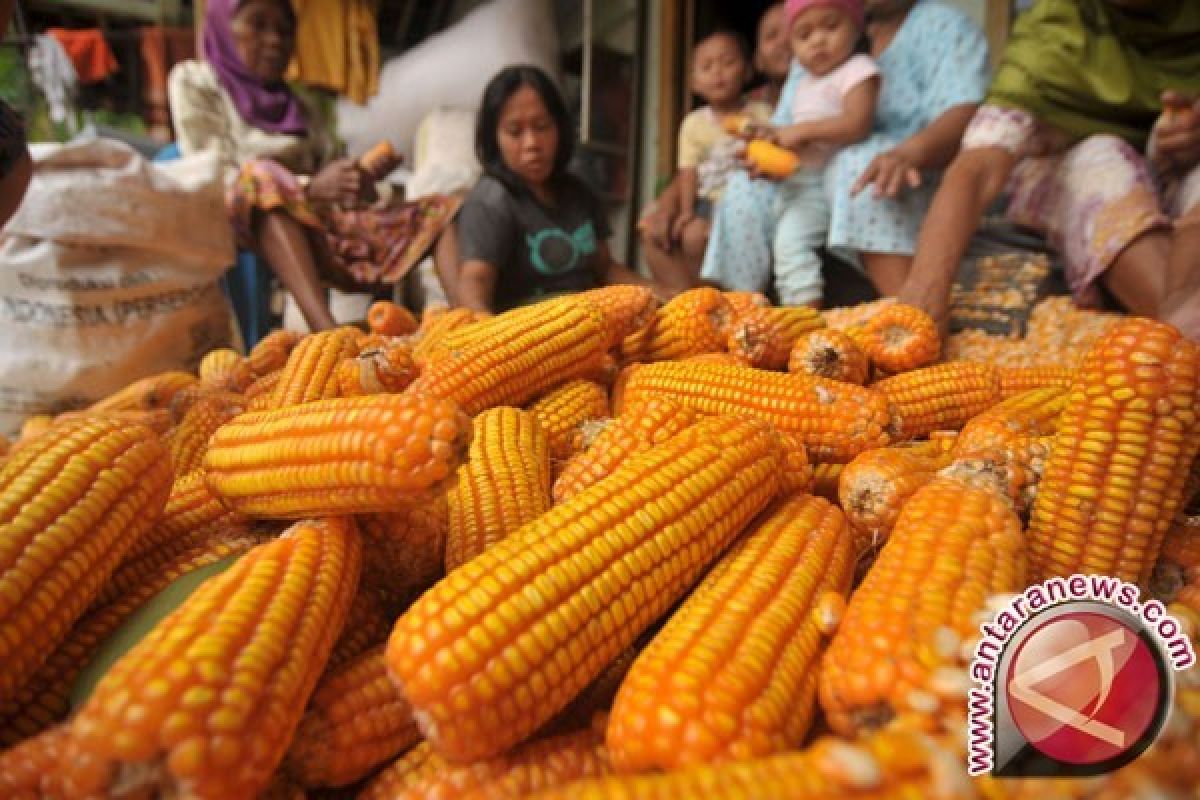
(590, 548)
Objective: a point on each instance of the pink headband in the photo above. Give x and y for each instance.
(852, 8)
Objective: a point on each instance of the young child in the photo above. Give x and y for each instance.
(834, 106)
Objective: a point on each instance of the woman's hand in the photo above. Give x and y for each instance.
(342, 182)
(1177, 133)
(679, 225)
(657, 225)
(889, 173)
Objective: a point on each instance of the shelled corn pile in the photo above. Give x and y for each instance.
(591, 548)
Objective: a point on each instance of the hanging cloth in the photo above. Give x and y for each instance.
(89, 52)
(54, 75)
(337, 47)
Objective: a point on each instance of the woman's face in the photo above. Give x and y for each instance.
(264, 35)
(773, 50)
(528, 136)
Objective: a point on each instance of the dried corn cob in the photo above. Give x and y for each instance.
(692, 323)
(597, 696)
(797, 470)
(1016, 380)
(406, 551)
(340, 456)
(1016, 467)
(311, 370)
(641, 426)
(414, 766)
(390, 319)
(732, 676)
(562, 411)
(34, 426)
(188, 440)
(436, 325)
(835, 421)
(1178, 559)
(260, 395)
(356, 720)
(743, 303)
(272, 351)
(1031, 413)
(829, 353)
(191, 514)
(206, 703)
(24, 768)
(900, 338)
(504, 483)
(146, 394)
(368, 622)
(187, 397)
(625, 308)
(941, 397)
(877, 484)
(44, 699)
(156, 419)
(484, 662)
(855, 316)
(826, 478)
(1115, 477)
(764, 337)
(715, 358)
(224, 368)
(375, 370)
(72, 504)
(952, 547)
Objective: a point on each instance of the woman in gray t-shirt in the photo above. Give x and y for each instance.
(529, 229)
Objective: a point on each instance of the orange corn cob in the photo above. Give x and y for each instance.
(375, 370)
(797, 470)
(764, 337)
(272, 351)
(260, 394)
(1115, 477)
(626, 309)
(355, 720)
(146, 394)
(390, 319)
(743, 303)
(550, 344)
(826, 478)
(732, 676)
(952, 547)
(206, 703)
(311, 370)
(855, 316)
(226, 369)
(44, 699)
(368, 622)
(835, 421)
(693, 322)
(185, 398)
(24, 768)
(192, 512)
(1016, 467)
(562, 411)
(188, 440)
(1031, 413)
(340, 456)
(900, 338)
(1182, 543)
(156, 419)
(771, 159)
(877, 484)
(534, 766)
(942, 397)
(715, 358)
(420, 762)
(639, 428)
(71, 505)
(406, 550)
(597, 697)
(1016, 380)
(504, 483)
(829, 353)
(435, 326)
(485, 663)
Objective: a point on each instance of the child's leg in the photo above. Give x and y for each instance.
(693, 243)
(801, 230)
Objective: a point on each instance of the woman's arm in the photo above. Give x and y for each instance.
(476, 288)
(933, 147)
(852, 125)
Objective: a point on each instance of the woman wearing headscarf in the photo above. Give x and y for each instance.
(315, 218)
(1092, 125)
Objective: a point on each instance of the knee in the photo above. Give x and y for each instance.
(1105, 146)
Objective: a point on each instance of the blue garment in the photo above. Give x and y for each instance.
(801, 213)
(937, 60)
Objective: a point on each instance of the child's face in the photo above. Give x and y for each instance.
(528, 136)
(773, 51)
(823, 37)
(719, 70)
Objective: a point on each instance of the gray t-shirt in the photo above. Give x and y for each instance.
(537, 250)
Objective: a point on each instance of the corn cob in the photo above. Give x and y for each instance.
(355, 720)
(715, 358)
(44, 700)
(742, 303)
(260, 394)
(597, 697)
(1016, 380)
(1032, 413)
(855, 316)
(390, 319)
(640, 427)
(72, 504)
(1115, 477)
(562, 411)
(376, 370)
(797, 473)
(187, 397)
(24, 768)
(626, 309)
(435, 326)
(188, 440)
(548, 344)
(272, 351)
(877, 484)
(826, 478)
(414, 766)
(225, 369)
(829, 353)
(952, 547)
(534, 766)
(835, 421)
(504, 483)
(311, 370)
(764, 337)
(34, 426)
(156, 419)
(1016, 468)
(406, 551)
(504, 642)
(192, 512)
(693, 322)
(368, 622)
(206, 703)
(1178, 559)
(942, 397)
(732, 676)
(900, 338)
(146, 394)
(340, 456)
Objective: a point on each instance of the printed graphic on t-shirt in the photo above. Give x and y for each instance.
(553, 251)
